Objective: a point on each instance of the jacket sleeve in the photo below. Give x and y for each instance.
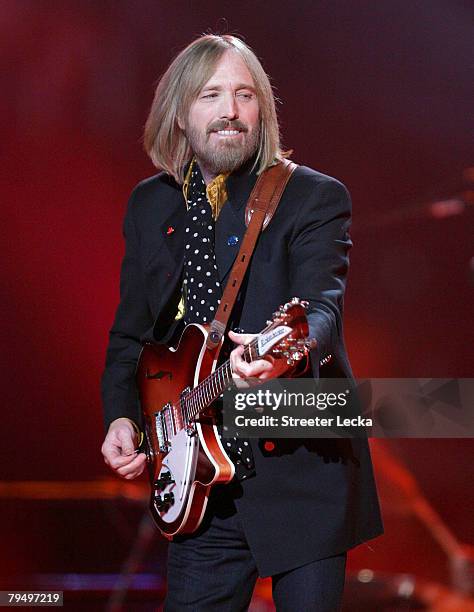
(132, 319)
(319, 262)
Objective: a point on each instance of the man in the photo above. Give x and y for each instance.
(296, 506)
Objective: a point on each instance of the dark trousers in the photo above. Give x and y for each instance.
(214, 571)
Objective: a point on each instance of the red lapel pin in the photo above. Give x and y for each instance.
(170, 230)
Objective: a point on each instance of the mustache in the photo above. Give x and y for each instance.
(224, 124)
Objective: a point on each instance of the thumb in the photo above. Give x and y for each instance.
(126, 439)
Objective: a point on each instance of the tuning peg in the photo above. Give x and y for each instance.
(269, 322)
(297, 355)
(290, 361)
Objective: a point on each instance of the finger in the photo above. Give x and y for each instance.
(241, 338)
(133, 469)
(114, 453)
(267, 375)
(280, 367)
(126, 441)
(119, 461)
(253, 369)
(236, 357)
(240, 383)
(110, 451)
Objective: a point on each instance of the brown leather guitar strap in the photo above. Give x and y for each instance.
(261, 206)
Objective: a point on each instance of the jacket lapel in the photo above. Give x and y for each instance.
(172, 232)
(230, 230)
(230, 225)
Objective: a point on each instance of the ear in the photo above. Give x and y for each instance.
(180, 123)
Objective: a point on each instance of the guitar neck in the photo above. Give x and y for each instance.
(212, 387)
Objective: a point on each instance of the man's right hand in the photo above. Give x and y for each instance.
(119, 451)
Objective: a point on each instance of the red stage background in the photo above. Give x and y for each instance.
(378, 94)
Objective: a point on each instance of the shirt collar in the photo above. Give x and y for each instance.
(216, 191)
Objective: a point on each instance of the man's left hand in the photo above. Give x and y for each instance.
(260, 369)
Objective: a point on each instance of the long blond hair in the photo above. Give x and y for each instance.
(165, 142)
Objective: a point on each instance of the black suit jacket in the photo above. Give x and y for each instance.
(309, 499)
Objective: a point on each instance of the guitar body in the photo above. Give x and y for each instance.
(177, 388)
(183, 461)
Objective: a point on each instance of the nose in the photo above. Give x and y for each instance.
(229, 109)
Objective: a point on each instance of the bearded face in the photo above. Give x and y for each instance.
(223, 124)
(225, 146)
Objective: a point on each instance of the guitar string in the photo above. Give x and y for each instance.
(195, 396)
(203, 395)
(192, 403)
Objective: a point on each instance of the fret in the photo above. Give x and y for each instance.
(209, 389)
(221, 379)
(214, 387)
(212, 384)
(198, 399)
(202, 399)
(228, 372)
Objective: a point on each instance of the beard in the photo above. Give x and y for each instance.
(226, 156)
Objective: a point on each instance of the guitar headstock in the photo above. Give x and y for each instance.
(286, 334)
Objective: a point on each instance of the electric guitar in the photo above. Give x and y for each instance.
(177, 387)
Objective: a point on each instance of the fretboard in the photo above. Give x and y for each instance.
(209, 389)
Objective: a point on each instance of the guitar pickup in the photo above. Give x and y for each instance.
(160, 428)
